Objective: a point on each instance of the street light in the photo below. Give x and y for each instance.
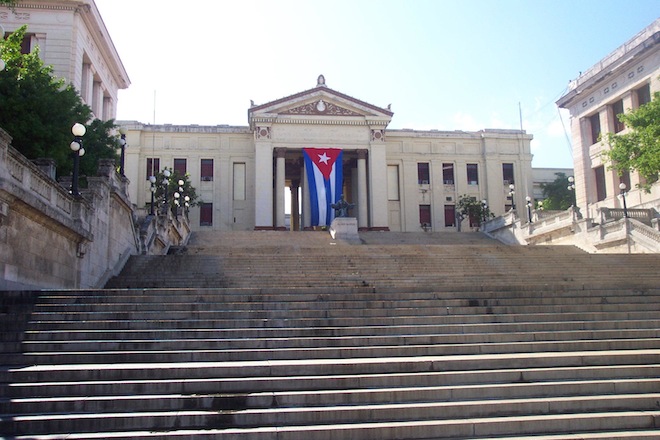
(181, 200)
(622, 187)
(528, 199)
(571, 183)
(166, 182)
(152, 180)
(123, 145)
(512, 191)
(78, 151)
(571, 186)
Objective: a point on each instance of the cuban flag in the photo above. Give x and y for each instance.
(325, 180)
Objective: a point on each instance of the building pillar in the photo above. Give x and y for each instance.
(306, 215)
(295, 210)
(363, 220)
(263, 180)
(279, 187)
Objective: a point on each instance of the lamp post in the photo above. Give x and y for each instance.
(512, 192)
(181, 200)
(123, 145)
(152, 181)
(528, 201)
(78, 151)
(166, 182)
(484, 207)
(622, 187)
(571, 185)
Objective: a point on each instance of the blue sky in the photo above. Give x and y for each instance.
(447, 65)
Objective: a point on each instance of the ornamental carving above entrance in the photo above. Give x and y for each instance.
(321, 107)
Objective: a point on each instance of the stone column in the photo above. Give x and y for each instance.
(279, 187)
(363, 220)
(263, 183)
(295, 212)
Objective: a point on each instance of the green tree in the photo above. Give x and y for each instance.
(557, 196)
(470, 207)
(639, 148)
(38, 111)
(173, 187)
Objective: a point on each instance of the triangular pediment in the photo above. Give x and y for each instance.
(319, 102)
(321, 107)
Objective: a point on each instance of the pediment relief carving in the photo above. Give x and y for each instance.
(320, 107)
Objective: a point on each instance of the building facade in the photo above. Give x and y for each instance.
(72, 38)
(620, 82)
(252, 177)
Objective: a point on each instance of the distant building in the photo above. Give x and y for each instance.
(541, 176)
(400, 180)
(73, 39)
(623, 80)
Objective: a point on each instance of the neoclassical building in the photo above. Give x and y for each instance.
(72, 38)
(624, 80)
(252, 177)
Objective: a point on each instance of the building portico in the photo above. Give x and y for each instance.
(318, 118)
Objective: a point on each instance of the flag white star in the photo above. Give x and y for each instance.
(324, 158)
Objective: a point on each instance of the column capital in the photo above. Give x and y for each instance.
(362, 153)
(280, 152)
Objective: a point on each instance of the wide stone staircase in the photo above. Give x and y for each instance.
(278, 336)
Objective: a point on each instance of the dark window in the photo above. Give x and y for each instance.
(601, 190)
(625, 178)
(507, 173)
(472, 174)
(180, 166)
(207, 170)
(26, 44)
(450, 216)
(594, 122)
(643, 95)
(153, 166)
(448, 173)
(425, 215)
(206, 214)
(423, 174)
(617, 109)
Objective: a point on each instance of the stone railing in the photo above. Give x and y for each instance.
(643, 215)
(51, 239)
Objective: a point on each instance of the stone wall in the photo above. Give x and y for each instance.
(50, 239)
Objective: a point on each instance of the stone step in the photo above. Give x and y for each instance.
(219, 424)
(279, 342)
(201, 303)
(619, 373)
(257, 297)
(452, 317)
(398, 310)
(341, 332)
(222, 355)
(328, 366)
(134, 402)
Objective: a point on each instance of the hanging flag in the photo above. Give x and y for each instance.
(325, 180)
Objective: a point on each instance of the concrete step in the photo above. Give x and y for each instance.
(228, 355)
(339, 332)
(328, 366)
(200, 343)
(342, 414)
(164, 425)
(131, 402)
(452, 317)
(198, 384)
